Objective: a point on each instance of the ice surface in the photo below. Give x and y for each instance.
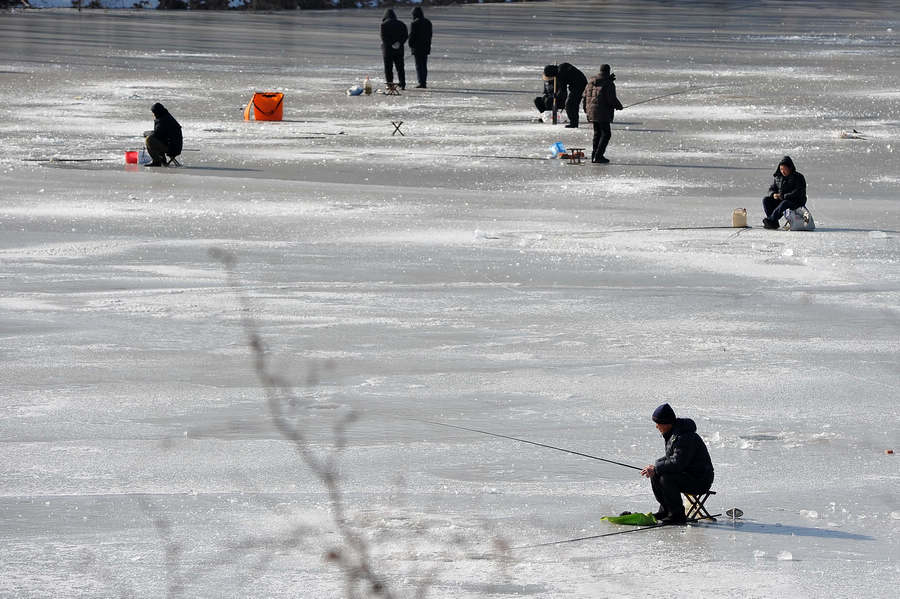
(454, 274)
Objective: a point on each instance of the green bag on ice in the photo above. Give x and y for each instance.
(633, 519)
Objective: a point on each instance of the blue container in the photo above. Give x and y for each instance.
(557, 149)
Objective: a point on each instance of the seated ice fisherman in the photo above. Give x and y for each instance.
(165, 139)
(685, 468)
(787, 192)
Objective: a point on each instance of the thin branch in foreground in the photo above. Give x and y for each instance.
(354, 558)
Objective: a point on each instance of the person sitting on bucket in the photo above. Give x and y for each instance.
(545, 102)
(787, 192)
(165, 137)
(686, 467)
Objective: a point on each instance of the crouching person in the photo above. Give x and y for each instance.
(685, 468)
(165, 139)
(787, 192)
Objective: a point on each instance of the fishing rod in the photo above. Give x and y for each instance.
(619, 532)
(544, 445)
(684, 91)
(589, 538)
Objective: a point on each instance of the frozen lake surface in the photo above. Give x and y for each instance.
(455, 274)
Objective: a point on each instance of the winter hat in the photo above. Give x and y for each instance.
(158, 109)
(664, 414)
(604, 68)
(550, 71)
(417, 13)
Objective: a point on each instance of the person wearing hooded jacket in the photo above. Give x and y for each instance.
(165, 138)
(685, 468)
(544, 102)
(787, 192)
(600, 104)
(420, 43)
(573, 81)
(393, 36)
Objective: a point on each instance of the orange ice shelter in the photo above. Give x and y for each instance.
(265, 106)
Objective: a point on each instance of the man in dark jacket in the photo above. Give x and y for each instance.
(165, 137)
(686, 467)
(420, 44)
(571, 79)
(600, 104)
(393, 36)
(787, 192)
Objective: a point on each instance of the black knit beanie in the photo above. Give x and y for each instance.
(664, 414)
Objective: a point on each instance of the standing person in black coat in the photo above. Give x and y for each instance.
(600, 104)
(165, 137)
(573, 80)
(787, 192)
(686, 467)
(393, 36)
(420, 44)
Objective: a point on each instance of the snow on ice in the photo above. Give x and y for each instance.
(455, 274)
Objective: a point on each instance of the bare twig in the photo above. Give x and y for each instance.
(354, 558)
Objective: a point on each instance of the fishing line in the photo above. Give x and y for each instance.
(544, 445)
(684, 91)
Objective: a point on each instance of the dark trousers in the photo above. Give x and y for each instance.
(391, 60)
(573, 102)
(157, 149)
(602, 133)
(422, 68)
(775, 209)
(668, 489)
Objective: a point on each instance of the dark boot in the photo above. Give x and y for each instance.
(674, 520)
(770, 224)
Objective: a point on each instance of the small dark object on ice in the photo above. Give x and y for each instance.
(853, 134)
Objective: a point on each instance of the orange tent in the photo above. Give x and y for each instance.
(265, 106)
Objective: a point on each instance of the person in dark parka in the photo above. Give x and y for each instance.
(393, 36)
(165, 137)
(420, 31)
(572, 80)
(600, 104)
(545, 102)
(787, 192)
(685, 468)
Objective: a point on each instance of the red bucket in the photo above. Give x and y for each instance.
(131, 157)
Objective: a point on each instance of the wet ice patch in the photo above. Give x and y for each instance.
(619, 186)
(710, 112)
